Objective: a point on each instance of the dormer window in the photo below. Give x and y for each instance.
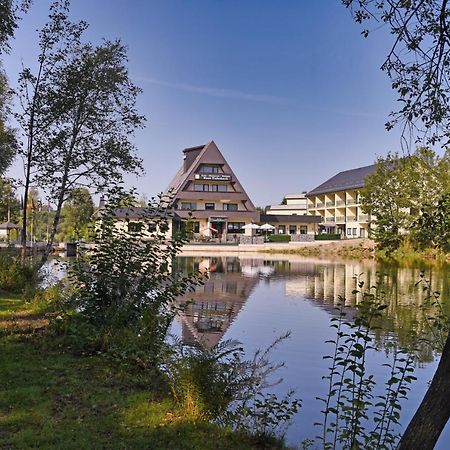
(209, 169)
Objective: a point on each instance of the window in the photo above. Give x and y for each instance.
(200, 187)
(354, 231)
(292, 229)
(235, 227)
(189, 205)
(209, 169)
(134, 227)
(196, 227)
(362, 233)
(303, 229)
(349, 231)
(222, 188)
(210, 206)
(281, 229)
(163, 227)
(230, 207)
(152, 227)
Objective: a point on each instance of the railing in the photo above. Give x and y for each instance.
(351, 218)
(340, 203)
(319, 205)
(340, 219)
(363, 218)
(329, 204)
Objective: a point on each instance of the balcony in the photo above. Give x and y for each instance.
(363, 218)
(340, 203)
(327, 204)
(319, 205)
(340, 219)
(351, 218)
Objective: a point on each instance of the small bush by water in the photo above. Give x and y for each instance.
(17, 275)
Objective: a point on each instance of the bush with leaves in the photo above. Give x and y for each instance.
(221, 385)
(17, 275)
(432, 228)
(354, 417)
(125, 287)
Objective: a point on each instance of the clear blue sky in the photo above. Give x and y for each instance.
(289, 90)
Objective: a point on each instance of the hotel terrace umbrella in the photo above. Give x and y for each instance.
(267, 227)
(251, 226)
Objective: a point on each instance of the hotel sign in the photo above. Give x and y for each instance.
(212, 177)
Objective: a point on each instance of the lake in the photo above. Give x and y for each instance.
(255, 298)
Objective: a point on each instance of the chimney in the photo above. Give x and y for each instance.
(190, 155)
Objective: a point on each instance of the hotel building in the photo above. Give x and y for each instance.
(207, 191)
(337, 202)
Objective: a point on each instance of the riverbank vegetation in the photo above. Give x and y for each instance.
(46, 401)
(108, 322)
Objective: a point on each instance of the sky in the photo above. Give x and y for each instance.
(289, 90)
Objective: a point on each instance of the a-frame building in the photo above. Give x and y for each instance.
(207, 190)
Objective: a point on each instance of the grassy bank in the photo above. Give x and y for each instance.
(54, 400)
(344, 249)
(365, 249)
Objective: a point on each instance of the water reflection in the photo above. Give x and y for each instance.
(217, 304)
(214, 306)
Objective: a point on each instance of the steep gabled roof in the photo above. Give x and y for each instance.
(209, 154)
(348, 179)
(181, 176)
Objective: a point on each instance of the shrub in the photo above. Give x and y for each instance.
(124, 290)
(220, 385)
(279, 238)
(353, 416)
(17, 275)
(327, 237)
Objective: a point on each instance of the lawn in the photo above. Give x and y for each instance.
(50, 399)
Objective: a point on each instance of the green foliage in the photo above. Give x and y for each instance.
(399, 191)
(327, 237)
(17, 275)
(437, 321)
(279, 238)
(124, 290)
(77, 221)
(220, 385)
(10, 14)
(416, 63)
(8, 201)
(54, 400)
(432, 228)
(79, 114)
(353, 416)
(8, 142)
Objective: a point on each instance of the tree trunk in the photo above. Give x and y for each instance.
(433, 413)
(51, 239)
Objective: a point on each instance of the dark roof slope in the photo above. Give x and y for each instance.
(284, 218)
(348, 179)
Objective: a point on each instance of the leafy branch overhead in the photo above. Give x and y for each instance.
(418, 62)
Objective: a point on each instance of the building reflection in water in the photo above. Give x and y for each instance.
(326, 283)
(213, 307)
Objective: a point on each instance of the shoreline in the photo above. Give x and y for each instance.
(355, 248)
